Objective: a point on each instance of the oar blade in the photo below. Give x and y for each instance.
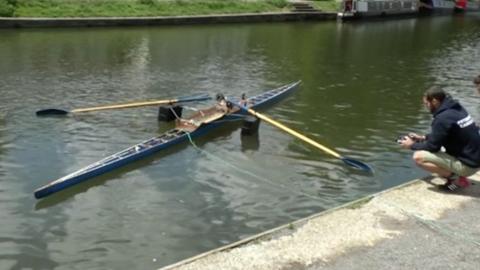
(47, 112)
(357, 164)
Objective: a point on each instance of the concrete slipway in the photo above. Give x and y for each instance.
(413, 226)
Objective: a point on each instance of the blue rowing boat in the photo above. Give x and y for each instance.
(194, 126)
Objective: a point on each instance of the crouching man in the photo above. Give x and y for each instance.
(452, 148)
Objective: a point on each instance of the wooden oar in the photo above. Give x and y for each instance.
(349, 161)
(123, 106)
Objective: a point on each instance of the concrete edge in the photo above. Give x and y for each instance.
(170, 20)
(288, 226)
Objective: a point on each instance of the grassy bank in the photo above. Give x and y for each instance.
(141, 8)
(133, 8)
(326, 5)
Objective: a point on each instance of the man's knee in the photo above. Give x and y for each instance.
(418, 157)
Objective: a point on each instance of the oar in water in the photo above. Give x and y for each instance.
(123, 106)
(349, 161)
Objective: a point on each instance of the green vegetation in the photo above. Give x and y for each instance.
(135, 8)
(7, 8)
(359, 203)
(326, 5)
(291, 226)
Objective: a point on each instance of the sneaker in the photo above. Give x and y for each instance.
(455, 184)
(462, 182)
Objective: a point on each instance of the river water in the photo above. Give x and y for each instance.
(361, 88)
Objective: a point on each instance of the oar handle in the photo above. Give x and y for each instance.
(293, 132)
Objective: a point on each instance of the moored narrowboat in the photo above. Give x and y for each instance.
(350, 9)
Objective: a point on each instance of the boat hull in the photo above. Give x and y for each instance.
(156, 144)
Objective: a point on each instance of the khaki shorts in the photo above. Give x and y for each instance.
(445, 161)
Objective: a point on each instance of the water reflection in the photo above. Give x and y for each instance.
(250, 142)
(358, 93)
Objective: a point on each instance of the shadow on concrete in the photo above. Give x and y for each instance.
(472, 191)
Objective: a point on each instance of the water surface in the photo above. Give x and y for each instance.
(362, 87)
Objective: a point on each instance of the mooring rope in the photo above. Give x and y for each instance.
(232, 165)
(245, 171)
(436, 226)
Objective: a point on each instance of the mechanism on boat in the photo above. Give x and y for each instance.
(205, 116)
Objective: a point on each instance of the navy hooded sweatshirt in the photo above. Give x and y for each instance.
(454, 129)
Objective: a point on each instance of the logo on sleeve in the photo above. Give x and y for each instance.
(467, 121)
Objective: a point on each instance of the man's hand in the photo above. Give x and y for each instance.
(406, 142)
(416, 137)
